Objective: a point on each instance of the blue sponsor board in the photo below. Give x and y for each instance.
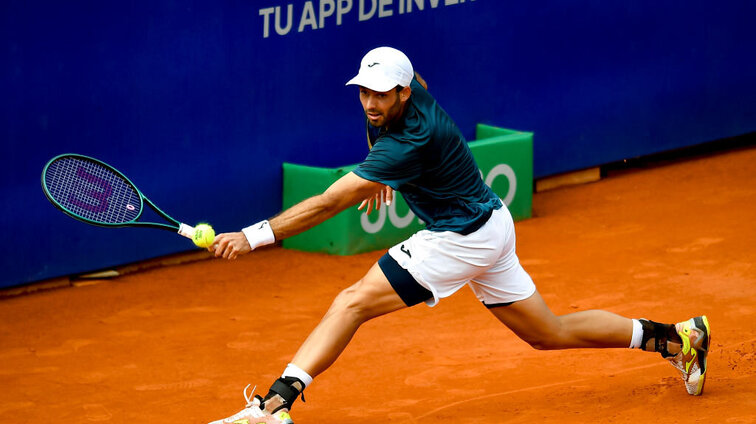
(196, 100)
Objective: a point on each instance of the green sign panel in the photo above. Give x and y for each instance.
(505, 158)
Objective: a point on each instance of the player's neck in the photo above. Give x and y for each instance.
(398, 119)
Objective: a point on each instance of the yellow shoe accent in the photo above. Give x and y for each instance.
(689, 354)
(695, 335)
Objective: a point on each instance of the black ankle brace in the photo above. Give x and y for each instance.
(661, 333)
(289, 388)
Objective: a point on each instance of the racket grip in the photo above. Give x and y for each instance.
(186, 230)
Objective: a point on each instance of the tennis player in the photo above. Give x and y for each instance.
(469, 239)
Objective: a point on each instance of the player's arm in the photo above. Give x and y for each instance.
(345, 192)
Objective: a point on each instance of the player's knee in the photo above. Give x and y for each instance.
(353, 303)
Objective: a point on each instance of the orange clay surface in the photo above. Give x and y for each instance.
(178, 344)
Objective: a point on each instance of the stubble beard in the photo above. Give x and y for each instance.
(386, 119)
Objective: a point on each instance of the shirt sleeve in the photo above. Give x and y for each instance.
(391, 162)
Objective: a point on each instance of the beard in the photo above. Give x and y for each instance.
(385, 118)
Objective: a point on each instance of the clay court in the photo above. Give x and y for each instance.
(179, 343)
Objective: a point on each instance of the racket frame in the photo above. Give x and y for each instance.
(174, 226)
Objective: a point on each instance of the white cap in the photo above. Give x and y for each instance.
(382, 69)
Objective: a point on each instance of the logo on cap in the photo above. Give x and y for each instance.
(373, 64)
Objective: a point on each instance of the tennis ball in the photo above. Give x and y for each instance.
(204, 235)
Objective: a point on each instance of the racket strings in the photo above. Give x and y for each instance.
(91, 191)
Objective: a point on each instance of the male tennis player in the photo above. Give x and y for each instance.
(469, 239)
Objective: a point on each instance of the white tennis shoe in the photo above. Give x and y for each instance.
(252, 414)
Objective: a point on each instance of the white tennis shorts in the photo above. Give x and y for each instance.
(443, 262)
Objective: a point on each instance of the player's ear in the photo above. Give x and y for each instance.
(405, 93)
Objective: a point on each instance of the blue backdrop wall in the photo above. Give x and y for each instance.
(189, 97)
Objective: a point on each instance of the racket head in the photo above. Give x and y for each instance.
(91, 191)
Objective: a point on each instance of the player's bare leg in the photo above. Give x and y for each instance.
(685, 344)
(369, 298)
(534, 322)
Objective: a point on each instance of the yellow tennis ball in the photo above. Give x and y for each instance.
(204, 235)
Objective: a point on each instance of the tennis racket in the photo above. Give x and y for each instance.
(94, 192)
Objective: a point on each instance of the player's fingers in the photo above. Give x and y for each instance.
(220, 242)
(228, 250)
(369, 206)
(213, 245)
(235, 250)
(362, 205)
(225, 244)
(389, 195)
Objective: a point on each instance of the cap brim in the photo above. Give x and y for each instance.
(372, 82)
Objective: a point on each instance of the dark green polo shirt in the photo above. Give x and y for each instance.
(425, 157)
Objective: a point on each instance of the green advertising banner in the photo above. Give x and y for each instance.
(505, 159)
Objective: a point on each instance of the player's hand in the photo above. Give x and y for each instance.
(230, 245)
(385, 195)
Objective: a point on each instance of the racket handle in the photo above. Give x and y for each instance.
(186, 230)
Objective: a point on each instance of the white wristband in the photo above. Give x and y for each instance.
(259, 234)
